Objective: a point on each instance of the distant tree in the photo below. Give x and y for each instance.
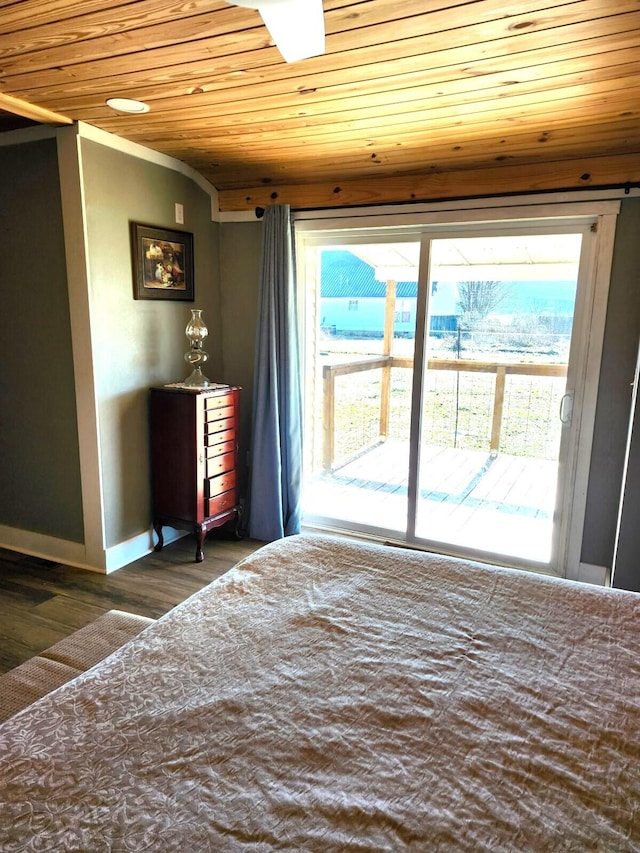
(478, 299)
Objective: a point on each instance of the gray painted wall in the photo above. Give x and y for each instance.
(626, 569)
(622, 331)
(139, 343)
(240, 256)
(39, 458)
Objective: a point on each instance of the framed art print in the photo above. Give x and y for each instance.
(162, 263)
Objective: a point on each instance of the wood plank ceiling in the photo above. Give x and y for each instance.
(412, 99)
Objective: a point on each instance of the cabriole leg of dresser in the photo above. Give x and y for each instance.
(200, 534)
(157, 526)
(236, 527)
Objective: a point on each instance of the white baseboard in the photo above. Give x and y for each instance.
(74, 553)
(45, 547)
(138, 546)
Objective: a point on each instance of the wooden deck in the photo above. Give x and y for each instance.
(468, 499)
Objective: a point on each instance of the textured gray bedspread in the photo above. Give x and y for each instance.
(330, 696)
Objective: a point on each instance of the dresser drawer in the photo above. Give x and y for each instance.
(227, 446)
(219, 414)
(218, 402)
(214, 506)
(221, 442)
(217, 485)
(214, 427)
(219, 464)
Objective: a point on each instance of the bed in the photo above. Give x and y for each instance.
(327, 695)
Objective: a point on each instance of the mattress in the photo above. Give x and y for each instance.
(333, 696)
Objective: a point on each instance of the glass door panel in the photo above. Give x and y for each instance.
(490, 428)
(359, 382)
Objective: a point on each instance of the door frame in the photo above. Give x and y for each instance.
(599, 217)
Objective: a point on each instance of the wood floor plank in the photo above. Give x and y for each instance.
(42, 602)
(69, 612)
(14, 591)
(13, 654)
(26, 627)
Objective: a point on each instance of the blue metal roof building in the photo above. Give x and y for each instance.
(352, 300)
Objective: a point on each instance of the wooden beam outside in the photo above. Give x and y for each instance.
(498, 408)
(387, 347)
(587, 173)
(328, 417)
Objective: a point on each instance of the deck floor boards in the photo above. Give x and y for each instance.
(468, 499)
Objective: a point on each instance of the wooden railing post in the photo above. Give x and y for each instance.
(498, 406)
(328, 417)
(387, 345)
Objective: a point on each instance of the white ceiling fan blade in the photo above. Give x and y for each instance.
(296, 26)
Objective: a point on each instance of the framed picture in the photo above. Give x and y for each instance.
(162, 263)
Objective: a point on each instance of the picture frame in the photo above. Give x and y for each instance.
(162, 263)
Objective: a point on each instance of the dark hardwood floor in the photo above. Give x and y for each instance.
(41, 602)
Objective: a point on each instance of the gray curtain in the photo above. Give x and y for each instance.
(276, 446)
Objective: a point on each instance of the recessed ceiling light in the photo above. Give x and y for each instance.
(127, 105)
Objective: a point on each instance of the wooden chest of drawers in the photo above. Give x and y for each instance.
(194, 460)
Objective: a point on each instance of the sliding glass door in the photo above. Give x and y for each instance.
(443, 371)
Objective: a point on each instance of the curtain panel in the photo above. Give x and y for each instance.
(276, 454)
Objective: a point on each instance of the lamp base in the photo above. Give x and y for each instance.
(197, 379)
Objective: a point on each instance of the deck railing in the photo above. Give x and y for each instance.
(386, 362)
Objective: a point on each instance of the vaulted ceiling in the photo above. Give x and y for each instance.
(413, 98)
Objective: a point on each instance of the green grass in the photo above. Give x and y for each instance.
(458, 411)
